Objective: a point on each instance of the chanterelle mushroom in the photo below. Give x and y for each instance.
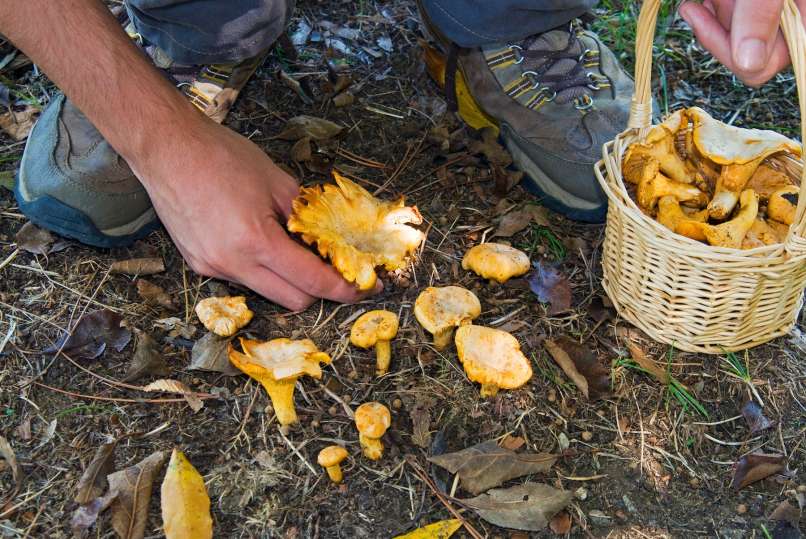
(492, 358)
(376, 328)
(357, 231)
(330, 459)
(277, 364)
(224, 315)
(442, 309)
(496, 261)
(783, 203)
(372, 419)
(739, 150)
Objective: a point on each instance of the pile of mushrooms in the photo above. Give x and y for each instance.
(713, 182)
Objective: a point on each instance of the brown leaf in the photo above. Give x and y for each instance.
(309, 126)
(93, 333)
(755, 467)
(517, 220)
(210, 354)
(7, 452)
(301, 150)
(93, 480)
(560, 523)
(85, 515)
(153, 294)
(552, 287)
(19, 124)
(147, 359)
(648, 364)
(133, 488)
(487, 465)
(755, 417)
(168, 385)
(522, 507)
(138, 266)
(33, 239)
(581, 365)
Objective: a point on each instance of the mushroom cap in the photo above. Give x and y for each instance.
(726, 144)
(224, 315)
(357, 231)
(374, 326)
(279, 359)
(438, 308)
(496, 261)
(372, 419)
(331, 455)
(491, 356)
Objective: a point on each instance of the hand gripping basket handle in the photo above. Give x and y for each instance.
(641, 107)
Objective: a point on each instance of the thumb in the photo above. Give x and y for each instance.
(753, 32)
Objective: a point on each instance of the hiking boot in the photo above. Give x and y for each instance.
(554, 98)
(73, 183)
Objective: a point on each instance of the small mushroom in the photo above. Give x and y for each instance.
(660, 186)
(492, 358)
(277, 364)
(672, 216)
(330, 458)
(783, 203)
(731, 233)
(496, 261)
(372, 419)
(761, 234)
(376, 328)
(442, 309)
(224, 315)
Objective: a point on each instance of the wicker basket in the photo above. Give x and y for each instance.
(679, 291)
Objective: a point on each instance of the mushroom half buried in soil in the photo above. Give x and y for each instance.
(277, 364)
(224, 315)
(442, 309)
(496, 261)
(330, 459)
(376, 328)
(355, 230)
(372, 419)
(492, 358)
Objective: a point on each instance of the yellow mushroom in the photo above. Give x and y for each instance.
(672, 216)
(376, 328)
(372, 419)
(660, 186)
(357, 231)
(496, 261)
(277, 364)
(330, 459)
(442, 309)
(783, 203)
(224, 315)
(492, 358)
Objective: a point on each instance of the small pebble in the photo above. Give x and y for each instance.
(397, 404)
(741, 509)
(587, 436)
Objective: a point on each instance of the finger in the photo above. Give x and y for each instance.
(274, 288)
(753, 33)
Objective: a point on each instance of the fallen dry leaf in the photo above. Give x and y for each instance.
(755, 467)
(581, 365)
(7, 452)
(167, 385)
(648, 364)
(138, 266)
(154, 295)
(550, 286)
(517, 220)
(19, 124)
(309, 126)
(93, 481)
(85, 515)
(486, 465)
(560, 523)
(301, 150)
(147, 359)
(91, 336)
(185, 503)
(33, 239)
(522, 507)
(210, 354)
(132, 487)
(437, 530)
(756, 420)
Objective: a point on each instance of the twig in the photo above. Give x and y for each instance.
(296, 451)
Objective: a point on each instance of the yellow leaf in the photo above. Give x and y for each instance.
(185, 504)
(438, 530)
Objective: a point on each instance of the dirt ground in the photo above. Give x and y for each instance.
(638, 462)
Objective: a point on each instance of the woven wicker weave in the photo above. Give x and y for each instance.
(679, 291)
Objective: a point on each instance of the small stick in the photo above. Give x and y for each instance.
(296, 451)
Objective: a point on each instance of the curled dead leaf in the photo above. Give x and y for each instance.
(581, 365)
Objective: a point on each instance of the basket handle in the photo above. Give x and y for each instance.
(641, 105)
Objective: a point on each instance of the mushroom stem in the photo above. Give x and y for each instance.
(372, 447)
(383, 355)
(442, 339)
(334, 472)
(489, 390)
(282, 399)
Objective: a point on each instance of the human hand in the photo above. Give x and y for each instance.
(223, 201)
(742, 34)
